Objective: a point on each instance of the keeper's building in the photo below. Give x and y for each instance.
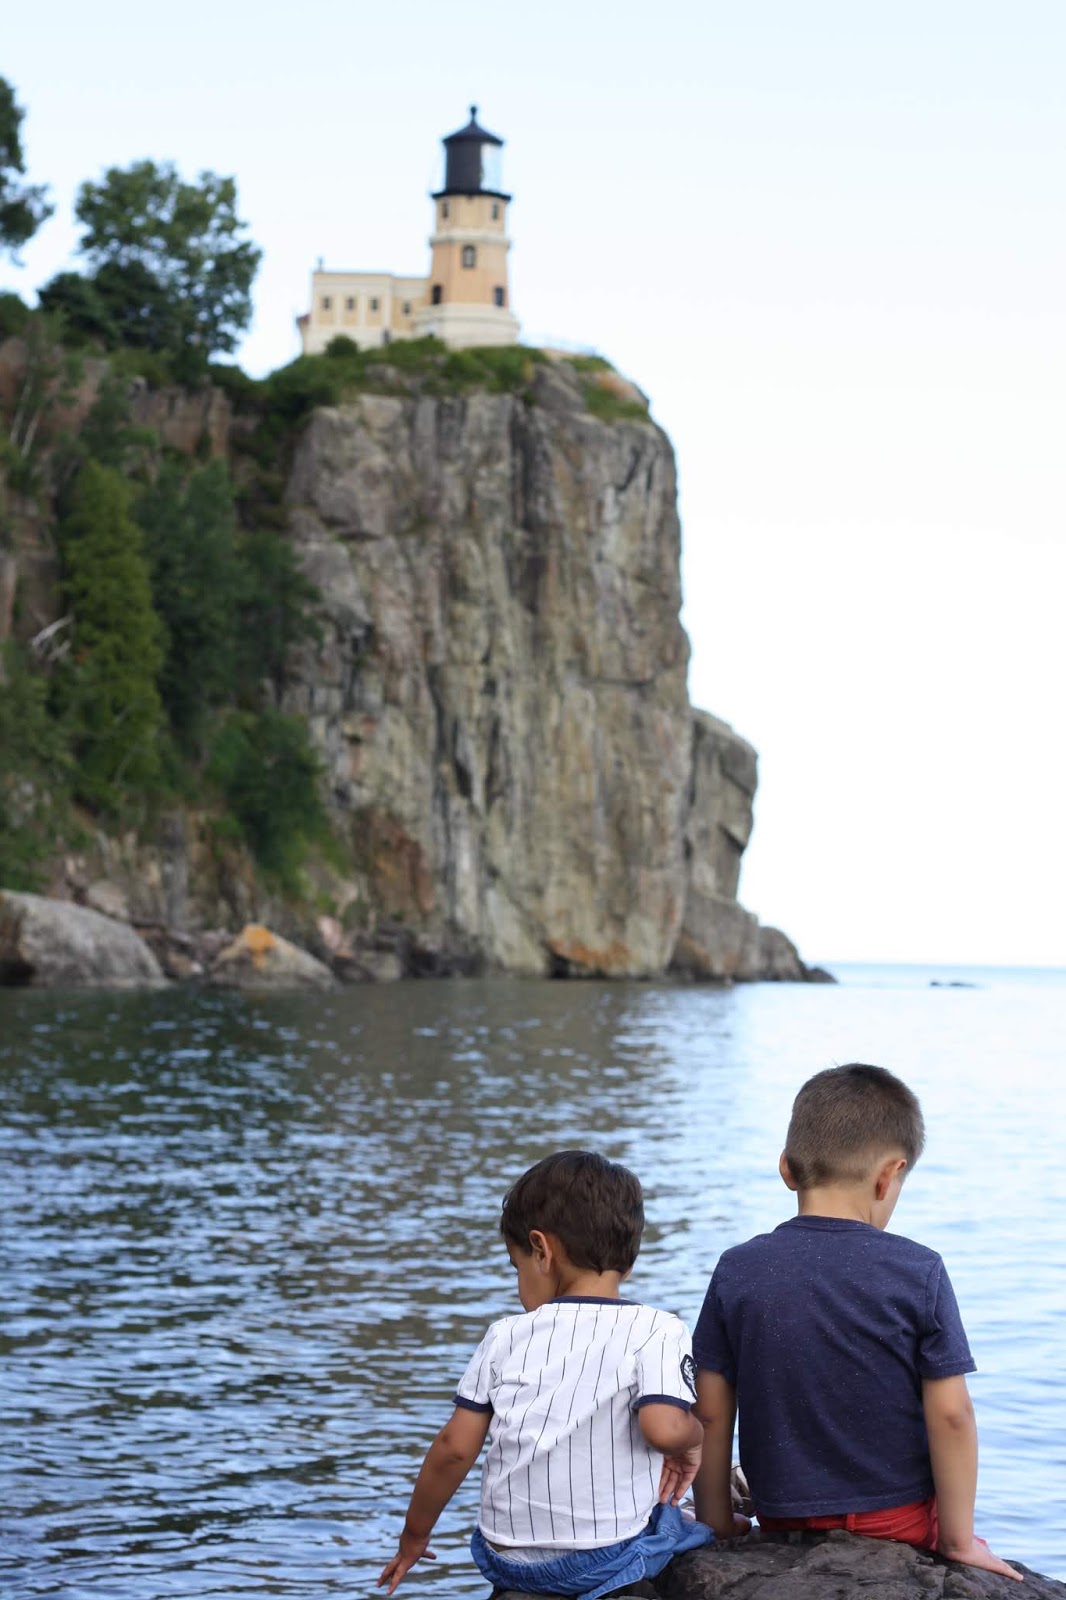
(465, 300)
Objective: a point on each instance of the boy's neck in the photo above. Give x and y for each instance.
(578, 1282)
(842, 1201)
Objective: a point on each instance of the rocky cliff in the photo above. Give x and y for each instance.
(497, 694)
(500, 695)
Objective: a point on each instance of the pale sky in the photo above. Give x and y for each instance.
(829, 240)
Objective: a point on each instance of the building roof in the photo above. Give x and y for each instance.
(473, 131)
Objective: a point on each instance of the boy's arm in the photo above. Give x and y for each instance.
(674, 1431)
(448, 1460)
(949, 1422)
(716, 1409)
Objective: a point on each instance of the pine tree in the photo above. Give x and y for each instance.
(190, 528)
(112, 698)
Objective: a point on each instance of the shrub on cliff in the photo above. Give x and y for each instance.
(108, 690)
(268, 775)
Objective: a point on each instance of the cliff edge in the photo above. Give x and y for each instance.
(499, 696)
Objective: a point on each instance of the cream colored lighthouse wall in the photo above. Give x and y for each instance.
(467, 224)
(368, 307)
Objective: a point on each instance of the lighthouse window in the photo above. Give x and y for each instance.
(498, 297)
(436, 294)
(469, 256)
(495, 211)
(445, 210)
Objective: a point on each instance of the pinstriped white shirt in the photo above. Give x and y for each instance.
(567, 1464)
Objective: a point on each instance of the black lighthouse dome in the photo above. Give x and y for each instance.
(473, 162)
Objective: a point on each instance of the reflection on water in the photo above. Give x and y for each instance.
(249, 1244)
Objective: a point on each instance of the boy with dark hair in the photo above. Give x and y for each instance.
(585, 1398)
(841, 1344)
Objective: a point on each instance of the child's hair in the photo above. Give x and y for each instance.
(594, 1207)
(845, 1118)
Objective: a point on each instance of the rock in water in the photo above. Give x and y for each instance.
(259, 959)
(53, 944)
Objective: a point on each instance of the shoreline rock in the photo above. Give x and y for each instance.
(54, 944)
(833, 1566)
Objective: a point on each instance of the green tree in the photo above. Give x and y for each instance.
(110, 693)
(23, 206)
(269, 776)
(171, 266)
(190, 537)
(274, 606)
(35, 774)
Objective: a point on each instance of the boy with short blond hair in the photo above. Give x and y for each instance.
(585, 1399)
(841, 1345)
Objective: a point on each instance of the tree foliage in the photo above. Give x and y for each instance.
(190, 536)
(23, 206)
(35, 773)
(269, 776)
(171, 268)
(110, 692)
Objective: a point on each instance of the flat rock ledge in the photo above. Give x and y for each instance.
(53, 944)
(833, 1566)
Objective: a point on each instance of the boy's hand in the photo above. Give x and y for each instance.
(411, 1549)
(977, 1554)
(678, 1472)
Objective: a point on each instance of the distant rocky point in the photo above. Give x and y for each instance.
(498, 698)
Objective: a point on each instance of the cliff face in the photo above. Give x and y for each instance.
(500, 692)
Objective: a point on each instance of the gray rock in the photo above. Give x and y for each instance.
(499, 694)
(107, 898)
(258, 959)
(53, 944)
(832, 1567)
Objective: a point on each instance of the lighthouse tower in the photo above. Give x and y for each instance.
(467, 294)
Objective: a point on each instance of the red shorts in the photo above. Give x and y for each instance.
(913, 1524)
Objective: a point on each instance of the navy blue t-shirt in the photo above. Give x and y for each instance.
(826, 1329)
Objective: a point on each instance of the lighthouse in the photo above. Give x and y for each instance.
(466, 299)
(469, 296)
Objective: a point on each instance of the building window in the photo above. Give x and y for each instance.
(436, 294)
(386, 336)
(469, 256)
(495, 211)
(326, 302)
(407, 308)
(445, 210)
(499, 297)
(349, 304)
(373, 305)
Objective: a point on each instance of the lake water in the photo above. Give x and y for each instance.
(249, 1244)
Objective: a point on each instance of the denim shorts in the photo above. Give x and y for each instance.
(593, 1573)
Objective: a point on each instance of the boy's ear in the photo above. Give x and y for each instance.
(786, 1173)
(886, 1172)
(541, 1247)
